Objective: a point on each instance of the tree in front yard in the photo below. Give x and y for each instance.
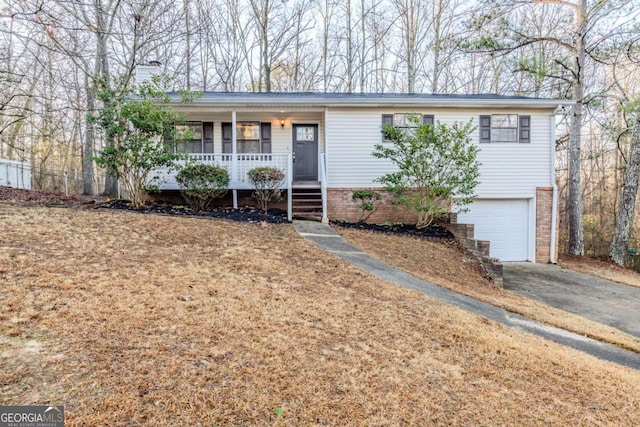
(436, 166)
(141, 125)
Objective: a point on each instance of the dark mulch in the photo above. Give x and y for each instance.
(245, 214)
(433, 232)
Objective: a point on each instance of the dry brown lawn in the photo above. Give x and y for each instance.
(603, 269)
(131, 319)
(445, 265)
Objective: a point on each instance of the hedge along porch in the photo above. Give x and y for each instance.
(324, 143)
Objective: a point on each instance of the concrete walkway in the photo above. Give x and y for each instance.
(327, 239)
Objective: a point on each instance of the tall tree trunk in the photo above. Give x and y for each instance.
(265, 48)
(187, 27)
(325, 48)
(628, 199)
(349, 49)
(102, 35)
(89, 142)
(576, 233)
(363, 46)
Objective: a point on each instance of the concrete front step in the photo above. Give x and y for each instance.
(305, 184)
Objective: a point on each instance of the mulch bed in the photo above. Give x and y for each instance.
(245, 214)
(432, 232)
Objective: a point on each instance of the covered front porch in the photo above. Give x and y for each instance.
(240, 140)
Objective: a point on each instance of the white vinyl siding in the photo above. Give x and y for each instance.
(507, 170)
(515, 170)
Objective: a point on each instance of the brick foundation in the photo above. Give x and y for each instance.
(544, 206)
(341, 207)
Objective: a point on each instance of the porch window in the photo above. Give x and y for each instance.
(201, 140)
(508, 128)
(252, 137)
(406, 121)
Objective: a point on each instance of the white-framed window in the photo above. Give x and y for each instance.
(505, 128)
(248, 134)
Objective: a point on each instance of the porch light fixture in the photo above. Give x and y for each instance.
(282, 124)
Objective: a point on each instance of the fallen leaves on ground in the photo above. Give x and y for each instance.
(132, 319)
(444, 264)
(603, 269)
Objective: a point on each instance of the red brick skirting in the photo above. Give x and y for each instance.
(341, 207)
(544, 204)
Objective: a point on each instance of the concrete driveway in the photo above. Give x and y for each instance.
(597, 299)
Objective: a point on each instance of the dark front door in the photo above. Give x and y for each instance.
(305, 152)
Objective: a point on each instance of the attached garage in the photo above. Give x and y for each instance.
(505, 223)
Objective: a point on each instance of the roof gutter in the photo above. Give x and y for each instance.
(454, 102)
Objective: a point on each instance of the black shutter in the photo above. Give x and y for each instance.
(485, 129)
(387, 119)
(428, 119)
(207, 137)
(524, 132)
(265, 137)
(227, 136)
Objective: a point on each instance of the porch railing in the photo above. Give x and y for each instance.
(237, 169)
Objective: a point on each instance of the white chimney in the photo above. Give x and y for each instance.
(145, 72)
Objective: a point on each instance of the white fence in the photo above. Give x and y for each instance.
(15, 174)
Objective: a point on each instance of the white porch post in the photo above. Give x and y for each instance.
(289, 186)
(234, 159)
(323, 171)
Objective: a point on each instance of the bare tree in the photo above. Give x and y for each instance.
(414, 27)
(579, 39)
(628, 199)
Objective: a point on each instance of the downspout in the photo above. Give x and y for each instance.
(554, 195)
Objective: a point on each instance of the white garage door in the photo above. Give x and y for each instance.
(505, 223)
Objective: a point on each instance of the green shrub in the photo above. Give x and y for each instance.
(266, 182)
(365, 199)
(436, 167)
(200, 184)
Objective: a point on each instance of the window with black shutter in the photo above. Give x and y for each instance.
(507, 128)
(252, 137)
(407, 121)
